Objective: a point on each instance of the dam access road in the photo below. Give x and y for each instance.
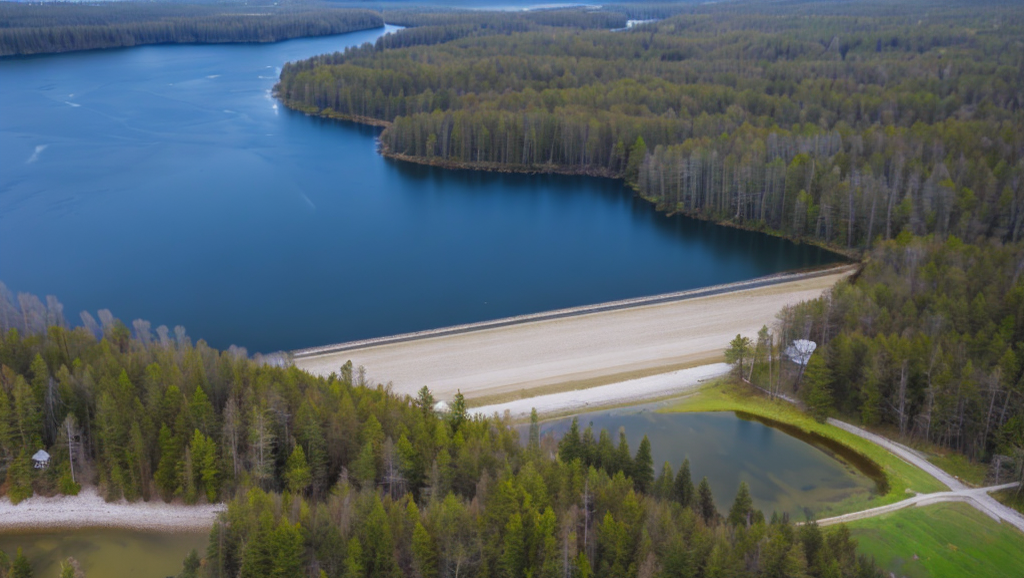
(574, 348)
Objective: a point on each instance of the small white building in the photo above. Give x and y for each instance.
(41, 459)
(800, 351)
(441, 407)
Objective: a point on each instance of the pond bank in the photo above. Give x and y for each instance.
(89, 510)
(904, 479)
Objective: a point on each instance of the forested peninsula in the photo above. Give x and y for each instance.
(338, 477)
(66, 27)
(835, 124)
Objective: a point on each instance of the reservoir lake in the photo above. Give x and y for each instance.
(166, 183)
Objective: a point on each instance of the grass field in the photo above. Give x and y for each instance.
(1011, 498)
(961, 467)
(726, 395)
(941, 540)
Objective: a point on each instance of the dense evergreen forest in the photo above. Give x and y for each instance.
(839, 123)
(928, 343)
(65, 27)
(337, 477)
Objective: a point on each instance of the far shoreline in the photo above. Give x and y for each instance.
(385, 151)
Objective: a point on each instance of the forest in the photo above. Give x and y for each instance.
(835, 125)
(339, 477)
(65, 27)
(927, 343)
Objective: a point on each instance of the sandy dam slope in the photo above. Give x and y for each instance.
(580, 347)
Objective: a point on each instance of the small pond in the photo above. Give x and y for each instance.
(785, 474)
(105, 553)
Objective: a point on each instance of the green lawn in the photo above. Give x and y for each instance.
(941, 540)
(961, 467)
(1011, 498)
(725, 395)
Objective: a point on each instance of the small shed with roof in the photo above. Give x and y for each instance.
(40, 460)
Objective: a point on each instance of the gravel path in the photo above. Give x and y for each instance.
(552, 349)
(904, 453)
(89, 510)
(630, 391)
(977, 497)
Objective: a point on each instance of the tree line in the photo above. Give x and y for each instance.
(65, 27)
(927, 342)
(339, 477)
(840, 125)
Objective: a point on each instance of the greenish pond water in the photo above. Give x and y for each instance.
(105, 553)
(785, 474)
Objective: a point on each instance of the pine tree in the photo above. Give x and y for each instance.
(663, 486)
(570, 446)
(623, 460)
(458, 413)
(21, 568)
(425, 401)
(534, 443)
(706, 502)
(742, 506)
(737, 353)
(817, 387)
(19, 478)
(514, 548)
(190, 567)
(364, 469)
(683, 487)
(354, 560)
(378, 551)
(167, 468)
(288, 550)
(643, 467)
(637, 152)
(297, 474)
(424, 554)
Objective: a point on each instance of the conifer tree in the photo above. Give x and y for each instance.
(817, 387)
(706, 502)
(643, 467)
(683, 487)
(570, 446)
(513, 557)
(21, 568)
(354, 560)
(623, 460)
(424, 552)
(742, 506)
(297, 475)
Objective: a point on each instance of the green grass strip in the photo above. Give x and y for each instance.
(903, 479)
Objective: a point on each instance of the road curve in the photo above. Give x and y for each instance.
(979, 498)
(583, 346)
(904, 453)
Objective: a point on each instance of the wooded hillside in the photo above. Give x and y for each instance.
(65, 27)
(338, 477)
(838, 125)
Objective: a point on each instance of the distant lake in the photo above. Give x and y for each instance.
(164, 183)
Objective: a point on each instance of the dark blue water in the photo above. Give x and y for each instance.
(164, 183)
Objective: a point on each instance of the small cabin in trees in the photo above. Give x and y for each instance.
(41, 459)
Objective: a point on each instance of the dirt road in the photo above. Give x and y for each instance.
(576, 348)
